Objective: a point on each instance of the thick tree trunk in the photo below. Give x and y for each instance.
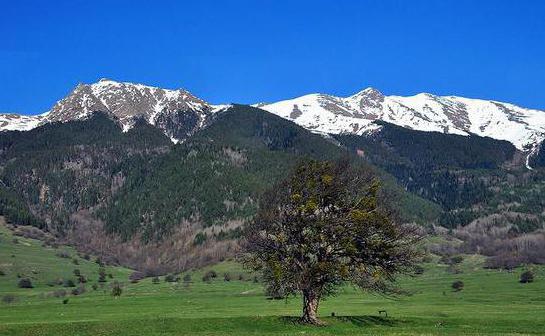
(311, 300)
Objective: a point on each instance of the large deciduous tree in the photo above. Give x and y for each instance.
(324, 226)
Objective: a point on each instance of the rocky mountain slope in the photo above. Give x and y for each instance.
(177, 112)
(524, 128)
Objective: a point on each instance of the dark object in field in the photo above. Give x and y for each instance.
(172, 278)
(116, 289)
(9, 298)
(136, 276)
(69, 283)
(380, 312)
(78, 291)
(332, 314)
(155, 280)
(25, 283)
(65, 301)
(208, 276)
(527, 277)
(458, 285)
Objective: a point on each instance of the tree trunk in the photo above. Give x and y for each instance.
(311, 300)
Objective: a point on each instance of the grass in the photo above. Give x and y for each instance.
(491, 303)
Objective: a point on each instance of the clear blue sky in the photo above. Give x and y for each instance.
(251, 51)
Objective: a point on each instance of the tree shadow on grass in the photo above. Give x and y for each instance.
(359, 321)
(369, 320)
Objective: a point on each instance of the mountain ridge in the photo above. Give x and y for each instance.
(179, 114)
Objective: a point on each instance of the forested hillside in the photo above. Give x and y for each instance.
(60, 168)
(83, 179)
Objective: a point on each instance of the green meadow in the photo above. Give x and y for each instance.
(492, 302)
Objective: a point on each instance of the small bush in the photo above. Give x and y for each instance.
(82, 279)
(208, 276)
(77, 272)
(63, 254)
(65, 301)
(458, 285)
(2, 272)
(155, 280)
(69, 283)
(78, 291)
(75, 261)
(9, 298)
(527, 277)
(86, 257)
(101, 274)
(418, 270)
(25, 283)
(94, 286)
(227, 277)
(171, 278)
(116, 289)
(136, 276)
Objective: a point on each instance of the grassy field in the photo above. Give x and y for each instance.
(491, 303)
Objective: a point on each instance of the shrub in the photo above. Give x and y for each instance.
(227, 277)
(116, 289)
(155, 280)
(418, 270)
(101, 274)
(171, 278)
(527, 277)
(69, 283)
(79, 290)
(136, 276)
(86, 257)
(2, 272)
(9, 298)
(25, 283)
(457, 259)
(75, 261)
(458, 285)
(63, 254)
(94, 286)
(77, 272)
(65, 301)
(82, 279)
(209, 276)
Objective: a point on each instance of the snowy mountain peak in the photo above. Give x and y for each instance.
(525, 128)
(177, 112)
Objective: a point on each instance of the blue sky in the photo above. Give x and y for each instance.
(251, 51)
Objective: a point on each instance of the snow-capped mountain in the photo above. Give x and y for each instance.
(524, 128)
(17, 122)
(177, 112)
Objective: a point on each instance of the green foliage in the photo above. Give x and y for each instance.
(116, 289)
(458, 285)
(326, 224)
(527, 277)
(25, 283)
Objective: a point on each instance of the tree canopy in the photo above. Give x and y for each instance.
(327, 224)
